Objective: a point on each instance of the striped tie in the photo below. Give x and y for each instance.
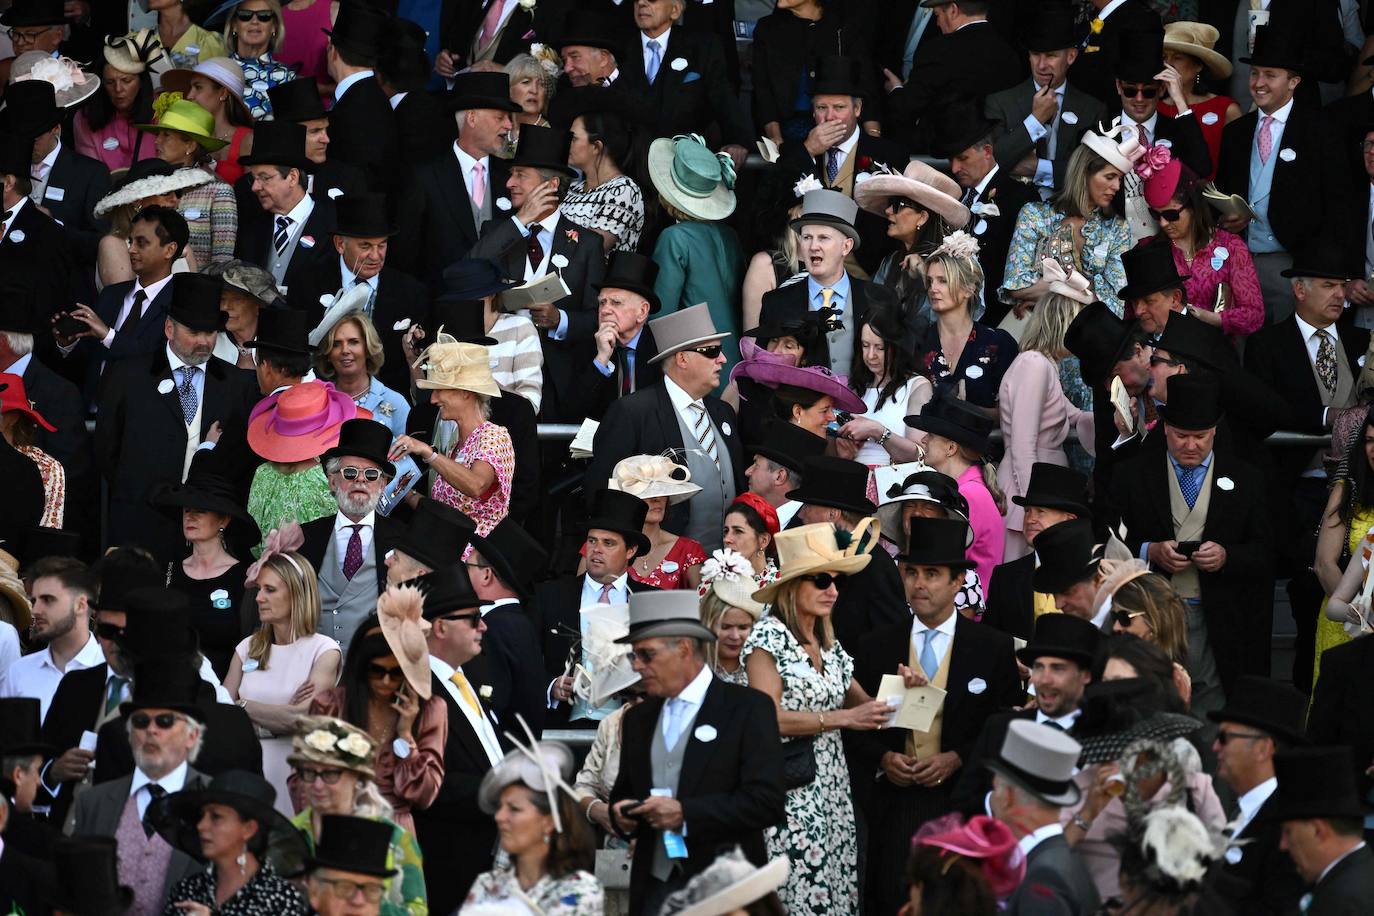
(282, 235)
(701, 428)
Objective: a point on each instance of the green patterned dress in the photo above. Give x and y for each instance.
(276, 498)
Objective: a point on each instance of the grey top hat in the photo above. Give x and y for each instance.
(657, 614)
(685, 328)
(1041, 760)
(824, 207)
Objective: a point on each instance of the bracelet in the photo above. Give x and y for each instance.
(587, 812)
(433, 453)
(821, 717)
(887, 434)
(1077, 821)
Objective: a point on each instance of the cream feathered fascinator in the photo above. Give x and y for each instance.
(339, 306)
(647, 476)
(1117, 567)
(610, 670)
(456, 366)
(960, 245)
(400, 611)
(71, 85)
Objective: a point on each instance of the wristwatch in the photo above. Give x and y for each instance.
(887, 434)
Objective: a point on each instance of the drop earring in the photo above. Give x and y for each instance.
(242, 862)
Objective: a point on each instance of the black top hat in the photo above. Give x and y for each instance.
(1100, 339)
(621, 512)
(1277, 46)
(438, 534)
(195, 302)
(281, 329)
(121, 573)
(542, 148)
(1140, 56)
(31, 108)
(1267, 705)
(517, 557)
(34, 12)
(1062, 636)
(1314, 782)
(572, 103)
(362, 438)
(634, 272)
(362, 216)
(175, 817)
(481, 90)
(353, 844)
(805, 326)
(1054, 486)
(473, 279)
(447, 588)
(1149, 269)
(956, 420)
(401, 58)
(937, 542)
(297, 100)
(961, 125)
(592, 30)
(1066, 556)
(39, 542)
(209, 492)
(166, 683)
(18, 305)
(788, 444)
(1051, 29)
(834, 482)
(19, 727)
(157, 625)
(465, 319)
(1194, 402)
(16, 151)
(280, 143)
(88, 875)
(1324, 260)
(836, 75)
(1194, 338)
(357, 28)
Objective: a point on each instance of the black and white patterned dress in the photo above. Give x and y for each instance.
(267, 894)
(616, 207)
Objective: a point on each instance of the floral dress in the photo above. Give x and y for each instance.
(276, 498)
(667, 575)
(577, 894)
(819, 836)
(1043, 232)
(986, 357)
(405, 894)
(265, 894)
(489, 443)
(54, 486)
(259, 75)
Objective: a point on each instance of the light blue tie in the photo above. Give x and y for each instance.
(674, 711)
(919, 22)
(930, 663)
(655, 58)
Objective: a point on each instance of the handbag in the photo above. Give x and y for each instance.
(798, 762)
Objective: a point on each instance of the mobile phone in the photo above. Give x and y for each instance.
(843, 416)
(629, 810)
(67, 326)
(1188, 547)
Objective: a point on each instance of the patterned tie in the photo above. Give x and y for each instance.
(187, 392)
(1326, 361)
(930, 662)
(114, 692)
(1053, 724)
(282, 235)
(479, 184)
(832, 164)
(353, 556)
(135, 311)
(534, 250)
(970, 195)
(491, 23)
(465, 690)
(1266, 140)
(1190, 483)
(155, 792)
(655, 58)
(701, 428)
(605, 596)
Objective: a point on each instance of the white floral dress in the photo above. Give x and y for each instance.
(577, 894)
(819, 838)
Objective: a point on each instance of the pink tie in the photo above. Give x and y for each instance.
(479, 185)
(491, 23)
(1266, 141)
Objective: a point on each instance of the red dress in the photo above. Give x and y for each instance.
(668, 574)
(228, 169)
(1211, 116)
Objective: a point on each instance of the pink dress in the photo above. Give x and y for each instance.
(668, 574)
(489, 443)
(303, 47)
(117, 145)
(989, 531)
(1210, 268)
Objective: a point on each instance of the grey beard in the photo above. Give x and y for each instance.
(355, 508)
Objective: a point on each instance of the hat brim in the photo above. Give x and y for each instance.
(1162, 726)
(192, 710)
(477, 294)
(638, 289)
(689, 344)
(154, 186)
(690, 629)
(841, 565)
(184, 496)
(381, 461)
(1278, 730)
(939, 426)
(487, 387)
(1141, 290)
(1050, 581)
(813, 220)
(175, 816)
(890, 517)
(179, 80)
(1277, 63)
(872, 196)
(1052, 502)
(738, 896)
(1215, 63)
(457, 102)
(294, 161)
(1297, 272)
(717, 205)
(1028, 653)
(1061, 796)
(209, 144)
(772, 374)
(632, 538)
(803, 495)
(271, 445)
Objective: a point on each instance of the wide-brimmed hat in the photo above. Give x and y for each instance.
(1119, 145)
(518, 768)
(728, 885)
(12, 589)
(20, 727)
(1118, 713)
(1140, 56)
(621, 512)
(164, 682)
(30, 109)
(986, 840)
(836, 483)
(921, 486)
(834, 74)
(1050, 29)
(252, 281)
(135, 52)
(1315, 782)
(361, 216)
(787, 444)
(465, 320)
(223, 71)
(937, 542)
(472, 280)
(1197, 39)
(1277, 46)
(150, 178)
(88, 872)
(1066, 556)
(282, 330)
(672, 613)
(1194, 402)
(447, 589)
(301, 422)
(297, 100)
(629, 270)
(819, 548)
(591, 29)
(280, 143)
(437, 535)
(360, 438)
(928, 187)
(455, 366)
(1186, 335)
(648, 476)
(358, 845)
(1268, 705)
(691, 178)
(961, 125)
(71, 85)
(1324, 261)
(824, 207)
(481, 90)
(327, 741)
(518, 558)
(684, 329)
(358, 28)
(771, 374)
(1149, 269)
(175, 817)
(14, 399)
(190, 120)
(34, 12)
(1040, 760)
(1054, 486)
(1100, 339)
(542, 148)
(206, 491)
(1062, 636)
(400, 611)
(955, 420)
(730, 576)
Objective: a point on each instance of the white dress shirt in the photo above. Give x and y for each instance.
(298, 215)
(1276, 128)
(467, 163)
(681, 402)
(172, 782)
(847, 145)
(486, 609)
(13, 212)
(1251, 802)
(347, 82)
(480, 724)
(939, 643)
(349, 279)
(343, 532)
(1065, 721)
(786, 511)
(662, 40)
(1032, 840)
(591, 590)
(1150, 126)
(151, 291)
(9, 645)
(397, 99)
(35, 675)
(688, 702)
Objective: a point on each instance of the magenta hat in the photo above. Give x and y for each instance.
(772, 372)
(300, 423)
(1164, 183)
(984, 839)
(749, 351)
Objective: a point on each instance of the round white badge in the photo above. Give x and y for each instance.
(165, 386)
(1287, 154)
(1222, 252)
(503, 203)
(1210, 118)
(1233, 855)
(17, 235)
(1069, 117)
(192, 213)
(679, 64)
(980, 227)
(725, 429)
(110, 143)
(974, 372)
(1226, 483)
(250, 665)
(559, 261)
(670, 566)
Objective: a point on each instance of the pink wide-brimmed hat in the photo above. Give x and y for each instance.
(749, 350)
(772, 372)
(300, 423)
(985, 839)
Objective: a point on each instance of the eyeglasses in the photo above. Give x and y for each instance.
(1144, 92)
(163, 720)
(472, 617)
(1367, 145)
(710, 352)
(823, 581)
(20, 37)
(381, 672)
(1224, 736)
(900, 203)
(260, 15)
(108, 631)
(1171, 215)
(1165, 361)
(345, 889)
(645, 656)
(369, 474)
(308, 775)
(1125, 617)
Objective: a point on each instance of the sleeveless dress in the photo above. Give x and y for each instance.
(228, 169)
(1330, 633)
(667, 575)
(1211, 117)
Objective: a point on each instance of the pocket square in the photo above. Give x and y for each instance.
(691, 77)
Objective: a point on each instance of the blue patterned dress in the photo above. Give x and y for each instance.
(1043, 232)
(259, 75)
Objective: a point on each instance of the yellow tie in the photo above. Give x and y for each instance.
(1044, 604)
(469, 697)
(826, 293)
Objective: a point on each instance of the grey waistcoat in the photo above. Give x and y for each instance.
(707, 510)
(343, 603)
(665, 766)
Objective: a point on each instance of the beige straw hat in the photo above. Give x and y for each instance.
(1197, 39)
(816, 549)
(457, 366)
(647, 476)
(330, 742)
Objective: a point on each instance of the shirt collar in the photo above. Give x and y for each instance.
(466, 161)
(1032, 840)
(301, 211)
(662, 40)
(488, 608)
(695, 692)
(349, 278)
(841, 287)
(681, 399)
(946, 626)
(397, 99)
(442, 669)
(1204, 464)
(1109, 9)
(1065, 721)
(1307, 330)
(550, 222)
(347, 82)
(634, 341)
(342, 521)
(20, 365)
(152, 289)
(983, 185)
(172, 782)
(1149, 123)
(1252, 801)
(849, 143)
(49, 159)
(176, 362)
(1282, 114)
(620, 584)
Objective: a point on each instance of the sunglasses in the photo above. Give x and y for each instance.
(108, 631)
(823, 581)
(1172, 215)
(163, 720)
(900, 203)
(645, 656)
(1223, 736)
(710, 352)
(471, 617)
(369, 474)
(260, 15)
(308, 775)
(1164, 361)
(382, 671)
(1125, 617)
(1143, 92)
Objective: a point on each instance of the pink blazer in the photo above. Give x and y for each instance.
(989, 531)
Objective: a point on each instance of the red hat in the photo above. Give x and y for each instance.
(1169, 180)
(762, 507)
(300, 423)
(985, 839)
(13, 397)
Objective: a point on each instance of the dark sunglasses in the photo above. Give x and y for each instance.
(1223, 736)
(1171, 215)
(369, 474)
(471, 617)
(710, 352)
(260, 15)
(1125, 617)
(823, 581)
(108, 631)
(900, 203)
(328, 777)
(163, 720)
(382, 671)
(1163, 361)
(1144, 92)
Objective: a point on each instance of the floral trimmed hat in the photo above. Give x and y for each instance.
(327, 741)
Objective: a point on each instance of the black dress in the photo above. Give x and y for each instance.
(214, 611)
(985, 359)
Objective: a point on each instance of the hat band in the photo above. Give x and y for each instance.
(174, 121)
(691, 183)
(1040, 784)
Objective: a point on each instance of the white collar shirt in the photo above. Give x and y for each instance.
(1250, 803)
(297, 214)
(176, 363)
(13, 212)
(347, 83)
(939, 643)
(351, 280)
(1311, 340)
(174, 781)
(688, 702)
(1150, 126)
(1028, 842)
(1275, 127)
(848, 145)
(662, 40)
(468, 163)
(43, 168)
(591, 590)
(982, 186)
(397, 99)
(486, 609)
(20, 365)
(35, 675)
(481, 725)
(1065, 721)
(150, 292)
(1109, 9)
(343, 531)
(682, 402)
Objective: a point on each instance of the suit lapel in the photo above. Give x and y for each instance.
(694, 759)
(460, 726)
(110, 304)
(667, 420)
(161, 369)
(213, 397)
(450, 178)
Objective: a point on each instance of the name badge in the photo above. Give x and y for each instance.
(55, 193)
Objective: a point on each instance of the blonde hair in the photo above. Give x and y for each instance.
(963, 275)
(371, 342)
(1164, 612)
(303, 592)
(1050, 320)
(1073, 198)
(989, 472)
(713, 608)
(785, 609)
(523, 65)
(278, 33)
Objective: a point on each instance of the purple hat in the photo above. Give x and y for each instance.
(769, 371)
(300, 423)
